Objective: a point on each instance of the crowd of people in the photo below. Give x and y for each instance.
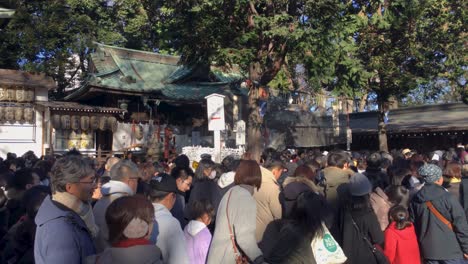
(290, 207)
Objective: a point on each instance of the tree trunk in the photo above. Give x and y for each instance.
(363, 102)
(382, 128)
(255, 120)
(393, 103)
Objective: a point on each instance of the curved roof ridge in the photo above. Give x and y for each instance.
(149, 53)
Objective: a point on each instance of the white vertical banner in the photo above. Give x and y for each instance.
(216, 123)
(215, 110)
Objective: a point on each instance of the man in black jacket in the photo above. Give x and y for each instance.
(438, 242)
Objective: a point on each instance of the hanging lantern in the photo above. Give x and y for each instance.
(75, 122)
(10, 114)
(56, 121)
(103, 123)
(112, 123)
(20, 94)
(94, 122)
(29, 95)
(139, 132)
(3, 93)
(65, 122)
(11, 93)
(19, 114)
(2, 113)
(28, 114)
(84, 121)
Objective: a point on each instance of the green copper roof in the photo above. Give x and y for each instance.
(193, 91)
(139, 72)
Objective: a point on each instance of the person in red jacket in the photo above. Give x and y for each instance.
(401, 244)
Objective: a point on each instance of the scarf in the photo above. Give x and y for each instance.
(131, 242)
(84, 210)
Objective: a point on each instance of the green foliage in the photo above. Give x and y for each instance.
(57, 36)
(245, 33)
(346, 47)
(45, 35)
(409, 44)
(282, 81)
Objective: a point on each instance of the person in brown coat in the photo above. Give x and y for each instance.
(267, 197)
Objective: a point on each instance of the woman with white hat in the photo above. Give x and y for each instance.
(130, 222)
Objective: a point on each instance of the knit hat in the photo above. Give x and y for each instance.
(430, 172)
(359, 185)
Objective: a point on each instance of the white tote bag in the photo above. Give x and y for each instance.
(326, 249)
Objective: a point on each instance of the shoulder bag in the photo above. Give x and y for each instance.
(439, 215)
(375, 248)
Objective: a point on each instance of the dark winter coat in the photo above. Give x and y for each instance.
(19, 243)
(61, 235)
(178, 211)
(14, 208)
(354, 246)
(436, 240)
(377, 177)
(285, 242)
(464, 194)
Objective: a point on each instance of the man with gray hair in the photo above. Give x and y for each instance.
(109, 164)
(124, 181)
(65, 222)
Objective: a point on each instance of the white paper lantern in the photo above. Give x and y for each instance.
(10, 114)
(103, 123)
(75, 122)
(19, 114)
(112, 123)
(29, 114)
(94, 122)
(84, 123)
(65, 122)
(30, 95)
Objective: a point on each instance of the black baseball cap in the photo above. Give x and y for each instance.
(164, 182)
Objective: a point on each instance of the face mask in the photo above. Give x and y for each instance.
(212, 175)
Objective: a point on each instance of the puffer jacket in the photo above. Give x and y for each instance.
(61, 235)
(436, 240)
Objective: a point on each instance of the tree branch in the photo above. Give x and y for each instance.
(253, 10)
